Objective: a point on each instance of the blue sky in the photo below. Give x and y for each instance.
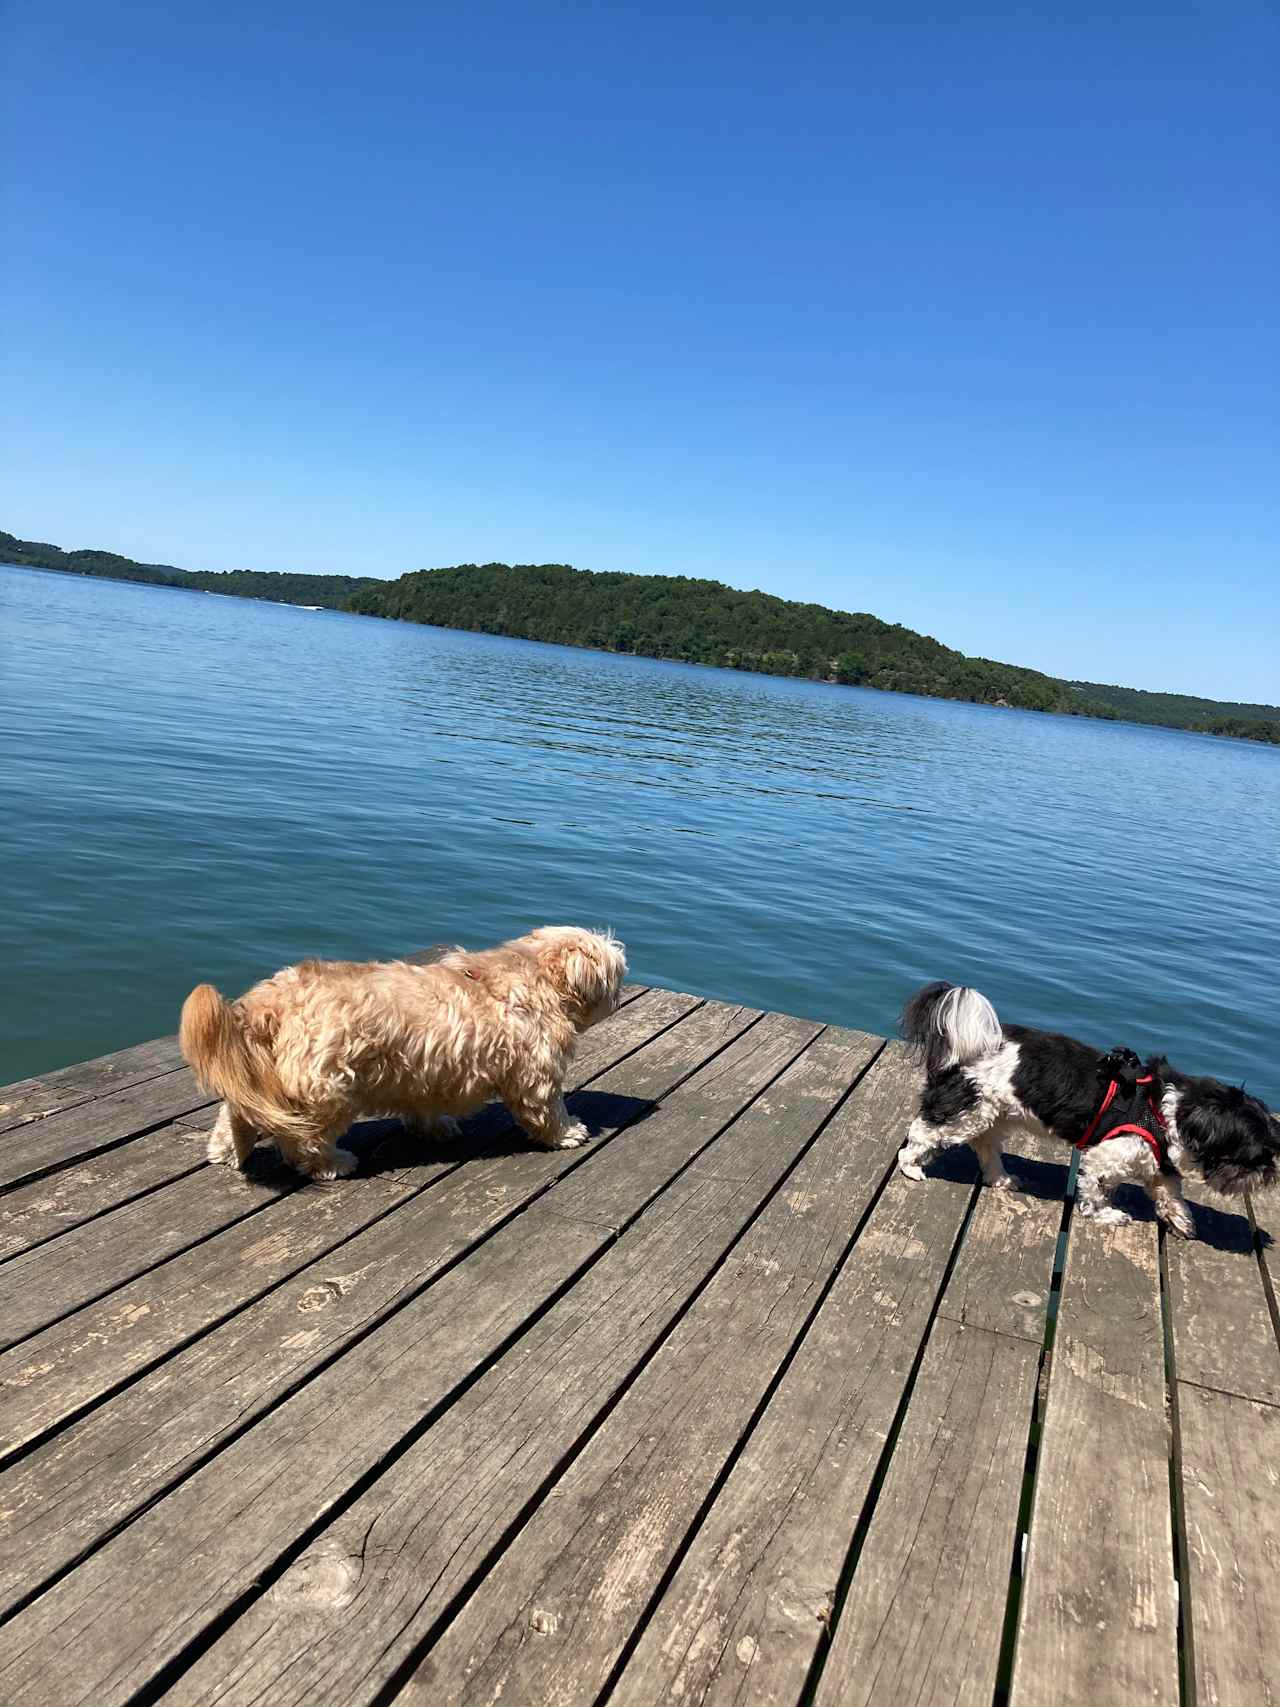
(966, 316)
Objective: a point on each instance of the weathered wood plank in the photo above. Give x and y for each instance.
(749, 1601)
(67, 1366)
(925, 1615)
(1223, 1335)
(89, 1128)
(1098, 1619)
(654, 1148)
(99, 1633)
(1226, 1355)
(133, 1605)
(50, 1093)
(74, 1362)
(1004, 1272)
(1265, 1221)
(553, 1617)
(91, 1261)
(90, 1477)
(923, 1620)
(1231, 1498)
(442, 1506)
(57, 1202)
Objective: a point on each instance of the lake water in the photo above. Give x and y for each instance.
(202, 787)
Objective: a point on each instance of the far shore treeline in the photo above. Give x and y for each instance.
(676, 617)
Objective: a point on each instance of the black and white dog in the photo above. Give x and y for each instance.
(984, 1079)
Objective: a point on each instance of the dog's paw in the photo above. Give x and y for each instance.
(1006, 1182)
(912, 1170)
(1109, 1216)
(222, 1153)
(572, 1136)
(342, 1164)
(1179, 1221)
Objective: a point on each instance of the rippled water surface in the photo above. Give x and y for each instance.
(203, 787)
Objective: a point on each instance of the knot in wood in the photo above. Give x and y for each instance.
(320, 1580)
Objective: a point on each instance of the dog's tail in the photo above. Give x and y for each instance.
(229, 1064)
(950, 1026)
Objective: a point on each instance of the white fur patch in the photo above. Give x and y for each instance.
(970, 1025)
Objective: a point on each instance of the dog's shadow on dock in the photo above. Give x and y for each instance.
(1046, 1180)
(386, 1146)
(1222, 1229)
(1226, 1230)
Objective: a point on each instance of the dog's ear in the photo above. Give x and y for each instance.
(589, 969)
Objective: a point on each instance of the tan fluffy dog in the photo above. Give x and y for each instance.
(305, 1053)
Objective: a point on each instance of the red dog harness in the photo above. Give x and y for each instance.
(1154, 1139)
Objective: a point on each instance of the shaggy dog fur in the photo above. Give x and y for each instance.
(984, 1079)
(305, 1053)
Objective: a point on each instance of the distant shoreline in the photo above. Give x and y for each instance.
(680, 620)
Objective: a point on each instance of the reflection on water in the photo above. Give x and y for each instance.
(204, 787)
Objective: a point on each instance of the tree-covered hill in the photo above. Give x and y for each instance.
(704, 622)
(332, 591)
(674, 616)
(700, 622)
(1184, 711)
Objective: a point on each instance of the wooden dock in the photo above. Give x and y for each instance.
(719, 1409)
